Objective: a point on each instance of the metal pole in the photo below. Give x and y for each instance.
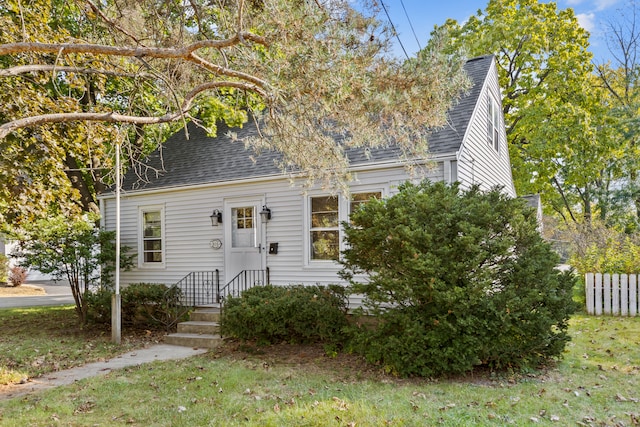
(116, 305)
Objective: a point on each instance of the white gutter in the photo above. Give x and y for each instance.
(390, 164)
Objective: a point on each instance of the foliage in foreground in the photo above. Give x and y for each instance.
(295, 314)
(459, 279)
(316, 68)
(4, 268)
(595, 385)
(143, 305)
(72, 249)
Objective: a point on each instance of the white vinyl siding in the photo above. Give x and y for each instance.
(187, 230)
(478, 161)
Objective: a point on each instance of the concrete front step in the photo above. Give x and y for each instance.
(199, 327)
(201, 331)
(194, 340)
(205, 315)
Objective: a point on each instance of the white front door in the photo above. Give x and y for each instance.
(243, 237)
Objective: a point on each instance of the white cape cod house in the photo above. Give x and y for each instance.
(199, 221)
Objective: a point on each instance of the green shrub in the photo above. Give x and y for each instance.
(99, 306)
(143, 305)
(615, 253)
(458, 279)
(296, 314)
(4, 268)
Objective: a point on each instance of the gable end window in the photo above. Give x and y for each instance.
(151, 248)
(493, 128)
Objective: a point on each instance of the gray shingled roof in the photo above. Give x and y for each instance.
(203, 160)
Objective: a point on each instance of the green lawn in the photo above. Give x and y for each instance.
(38, 340)
(596, 384)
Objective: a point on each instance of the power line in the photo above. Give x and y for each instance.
(393, 27)
(410, 24)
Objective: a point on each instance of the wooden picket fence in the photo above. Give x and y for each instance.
(612, 294)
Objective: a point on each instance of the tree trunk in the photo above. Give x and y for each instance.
(78, 181)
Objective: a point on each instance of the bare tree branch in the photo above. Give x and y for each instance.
(217, 69)
(23, 69)
(129, 51)
(112, 117)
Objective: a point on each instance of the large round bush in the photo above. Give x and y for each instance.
(458, 279)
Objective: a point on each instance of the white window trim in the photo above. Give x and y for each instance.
(493, 139)
(141, 211)
(343, 216)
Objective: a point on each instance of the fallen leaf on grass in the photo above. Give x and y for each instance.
(85, 408)
(342, 405)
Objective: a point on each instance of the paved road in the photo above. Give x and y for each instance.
(56, 294)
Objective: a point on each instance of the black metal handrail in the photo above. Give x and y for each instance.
(199, 288)
(244, 280)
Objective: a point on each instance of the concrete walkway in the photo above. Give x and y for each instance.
(69, 376)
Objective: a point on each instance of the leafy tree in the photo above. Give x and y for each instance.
(78, 76)
(619, 80)
(559, 126)
(72, 250)
(458, 279)
(599, 248)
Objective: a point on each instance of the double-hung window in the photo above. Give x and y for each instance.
(325, 215)
(493, 128)
(151, 249)
(325, 228)
(358, 199)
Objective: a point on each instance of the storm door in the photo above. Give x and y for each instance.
(243, 234)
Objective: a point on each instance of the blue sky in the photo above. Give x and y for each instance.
(424, 14)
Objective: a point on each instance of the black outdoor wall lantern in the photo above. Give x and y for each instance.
(216, 218)
(265, 214)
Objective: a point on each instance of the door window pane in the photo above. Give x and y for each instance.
(243, 233)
